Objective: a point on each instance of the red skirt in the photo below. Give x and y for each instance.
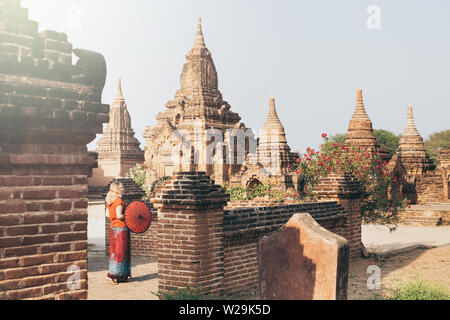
(119, 254)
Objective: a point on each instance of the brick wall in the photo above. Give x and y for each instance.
(190, 233)
(243, 227)
(430, 187)
(426, 215)
(200, 243)
(346, 190)
(49, 111)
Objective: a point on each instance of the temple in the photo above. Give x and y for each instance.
(360, 130)
(419, 179)
(199, 132)
(117, 150)
(273, 160)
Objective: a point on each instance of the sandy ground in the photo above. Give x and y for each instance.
(408, 253)
(377, 238)
(141, 287)
(431, 265)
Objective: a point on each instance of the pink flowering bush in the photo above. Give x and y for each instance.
(378, 203)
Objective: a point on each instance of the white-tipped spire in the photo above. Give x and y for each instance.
(199, 40)
(119, 94)
(272, 118)
(411, 129)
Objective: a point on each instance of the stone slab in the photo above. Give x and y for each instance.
(303, 261)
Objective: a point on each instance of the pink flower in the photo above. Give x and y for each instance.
(324, 135)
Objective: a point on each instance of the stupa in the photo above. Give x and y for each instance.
(118, 150)
(411, 149)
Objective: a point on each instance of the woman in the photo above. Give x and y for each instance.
(119, 244)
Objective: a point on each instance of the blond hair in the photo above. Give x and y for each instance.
(114, 192)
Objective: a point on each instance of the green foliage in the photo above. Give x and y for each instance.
(157, 183)
(337, 138)
(366, 167)
(184, 294)
(419, 290)
(261, 190)
(236, 192)
(137, 174)
(437, 142)
(196, 294)
(387, 140)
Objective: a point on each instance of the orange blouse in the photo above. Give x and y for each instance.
(112, 213)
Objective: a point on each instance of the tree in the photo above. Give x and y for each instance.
(387, 140)
(336, 138)
(137, 174)
(377, 205)
(437, 142)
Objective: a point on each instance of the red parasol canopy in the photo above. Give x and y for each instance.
(138, 217)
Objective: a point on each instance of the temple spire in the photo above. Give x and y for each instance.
(360, 111)
(273, 121)
(411, 149)
(119, 94)
(360, 130)
(199, 72)
(411, 129)
(199, 40)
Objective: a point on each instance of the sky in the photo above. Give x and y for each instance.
(310, 55)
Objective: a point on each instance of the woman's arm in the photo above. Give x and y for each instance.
(107, 212)
(119, 214)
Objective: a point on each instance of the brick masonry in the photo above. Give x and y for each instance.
(183, 235)
(243, 228)
(437, 214)
(50, 110)
(190, 233)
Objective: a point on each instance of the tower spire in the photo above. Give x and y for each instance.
(199, 40)
(272, 118)
(360, 111)
(273, 122)
(411, 129)
(360, 130)
(411, 149)
(119, 94)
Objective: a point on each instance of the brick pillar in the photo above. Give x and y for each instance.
(347, 192)
(189, 233)
(50, 110)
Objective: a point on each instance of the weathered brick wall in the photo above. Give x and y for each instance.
(49, 111)
(190, 233)
(243, 228)
(200, 243)
(347, 192)
(430, 187)
(426, 215)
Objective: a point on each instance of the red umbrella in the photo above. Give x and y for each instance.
(138, 217)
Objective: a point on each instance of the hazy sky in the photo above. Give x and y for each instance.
(310, 55)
